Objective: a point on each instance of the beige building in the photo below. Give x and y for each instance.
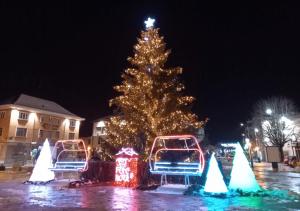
(26, 121)
(99, 132)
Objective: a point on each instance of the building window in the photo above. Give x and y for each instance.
(21, 132)
(41, 135)
(56, 134)
(55, 121)
(72, 123)
(71, 136)
(42, 119)
(23, 115)
(0, 131)
(2, 114)
(51, 134)
(100, 131)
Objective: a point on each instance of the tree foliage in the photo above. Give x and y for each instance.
(151, 100)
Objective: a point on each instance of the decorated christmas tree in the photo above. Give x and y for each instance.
(152, 102)
(41, 172)
(242, 176)
(214, 179)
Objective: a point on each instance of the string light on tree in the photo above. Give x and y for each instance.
(151, 101)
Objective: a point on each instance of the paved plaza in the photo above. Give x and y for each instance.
(55, 196)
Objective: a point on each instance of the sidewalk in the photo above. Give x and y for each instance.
(281, 167)
(11, 174)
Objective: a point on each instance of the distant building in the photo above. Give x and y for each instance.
(26, 121)
(292, 147)
(99, 132)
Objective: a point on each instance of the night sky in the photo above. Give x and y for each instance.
(74, 52)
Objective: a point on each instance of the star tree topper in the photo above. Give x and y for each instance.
(149, 23)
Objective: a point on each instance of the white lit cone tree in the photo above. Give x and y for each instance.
(41, 172)
(242, 176)
(214, 180)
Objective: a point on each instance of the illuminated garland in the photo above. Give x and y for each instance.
(151, 101)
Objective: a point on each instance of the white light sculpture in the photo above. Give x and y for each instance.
(214, 183)
(41, 172)
(242, 176)
(149, 23)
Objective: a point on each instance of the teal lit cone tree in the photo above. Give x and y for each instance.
(152, 102)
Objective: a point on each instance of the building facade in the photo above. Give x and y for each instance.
(291, 129)
(99, 133)
(25, 123)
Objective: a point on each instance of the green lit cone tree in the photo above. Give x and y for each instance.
(151, 100)
(214, 180)
(242, 176)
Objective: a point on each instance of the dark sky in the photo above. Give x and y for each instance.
(74, 52)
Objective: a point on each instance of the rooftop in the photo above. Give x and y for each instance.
(36, 103)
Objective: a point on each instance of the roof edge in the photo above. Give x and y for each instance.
(12, 106)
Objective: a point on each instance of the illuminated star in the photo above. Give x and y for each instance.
(149, 23)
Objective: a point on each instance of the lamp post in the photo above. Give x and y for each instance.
(257, 145)
(248, 144)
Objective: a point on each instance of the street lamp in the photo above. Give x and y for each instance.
(269, 111)
(241, 124)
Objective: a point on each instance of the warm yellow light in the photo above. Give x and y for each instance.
(256, 148)
(14, 114)
(67, 122)
(32, 117)
(101, 124)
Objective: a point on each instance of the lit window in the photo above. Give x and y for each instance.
(21, 132)
(0, 131)
(2, 114)
(23, 115)
(71, 136)
(72, 123)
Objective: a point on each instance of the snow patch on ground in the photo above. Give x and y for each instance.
(177, 189)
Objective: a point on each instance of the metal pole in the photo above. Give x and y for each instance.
(250, 156)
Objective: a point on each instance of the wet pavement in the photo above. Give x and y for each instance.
(16, 196)
(283, 180)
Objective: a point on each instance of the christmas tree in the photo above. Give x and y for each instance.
(214, 180)
(242, 176)
(41, 172)
(151, 101)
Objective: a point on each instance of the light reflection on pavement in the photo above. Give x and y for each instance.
(16, 196)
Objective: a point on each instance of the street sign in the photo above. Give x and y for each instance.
(273, 154)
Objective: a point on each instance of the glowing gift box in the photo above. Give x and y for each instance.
(126, 167)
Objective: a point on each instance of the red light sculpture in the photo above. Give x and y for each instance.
(126, 168)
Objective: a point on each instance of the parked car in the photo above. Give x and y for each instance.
(293, 162)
